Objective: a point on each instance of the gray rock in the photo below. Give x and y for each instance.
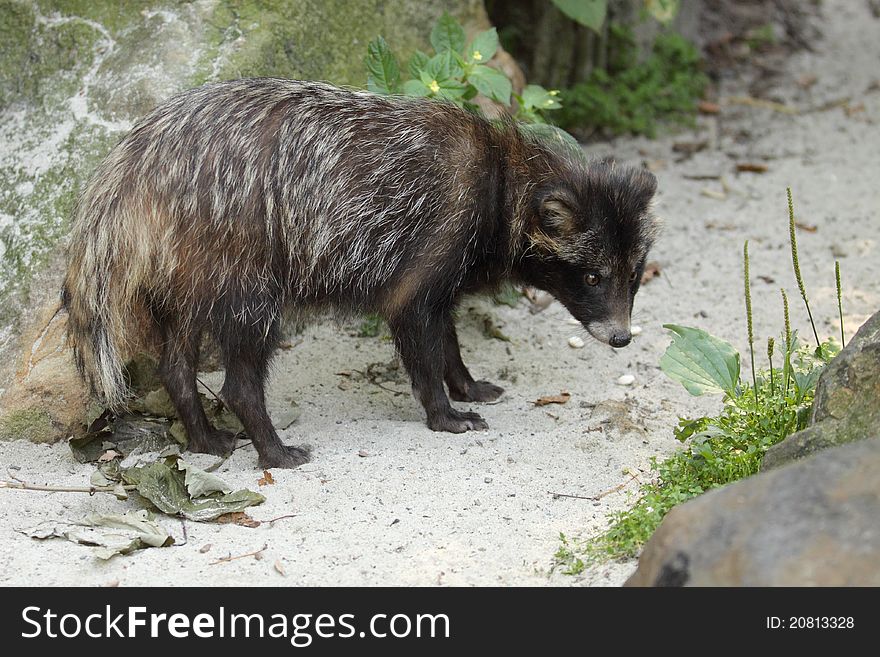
(815, 522)
(847, 402)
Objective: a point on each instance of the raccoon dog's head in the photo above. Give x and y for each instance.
(590, 233)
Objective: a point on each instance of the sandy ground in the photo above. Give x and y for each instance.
(423, 508)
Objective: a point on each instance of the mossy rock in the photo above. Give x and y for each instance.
(846, 407)
(30, 424)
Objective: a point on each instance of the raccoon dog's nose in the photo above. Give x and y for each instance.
(620, 339)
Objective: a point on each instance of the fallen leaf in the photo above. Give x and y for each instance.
(279, 568)
(707, 107)
(200, 483)
(712, 193)
(806, 227)
(167, 485)
(363, 453)
(492, 331)
(239, 518)
(110, 534)
(561, 398)
(751, 167)
(109, 455)
(807, 80)
(267, 479)
(205, 548)
(652, 271)
(690, 147)
(767, 279)
(852, 110)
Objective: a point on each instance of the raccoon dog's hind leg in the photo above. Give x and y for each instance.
(462, 386)
(415, 334)
(247, 348)
(177, 368)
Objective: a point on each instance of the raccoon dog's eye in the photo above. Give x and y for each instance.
(632, 277)
(592, 279)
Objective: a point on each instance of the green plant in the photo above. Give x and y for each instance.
(457, 72)
(755, 415)
(632, 96)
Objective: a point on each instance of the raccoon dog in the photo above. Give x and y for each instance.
(236, 203)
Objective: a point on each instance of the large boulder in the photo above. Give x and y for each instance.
(810, 523)
(847, 402)
(76, 74)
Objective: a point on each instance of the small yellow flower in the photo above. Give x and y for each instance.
(434, 87)
(553, 92)
(477, 56)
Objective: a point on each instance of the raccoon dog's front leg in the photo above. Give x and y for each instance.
(462, 386)
(420, 339)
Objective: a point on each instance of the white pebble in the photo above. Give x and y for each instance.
(573, 321)
(575, 342)
(636, 330)
(626, 380)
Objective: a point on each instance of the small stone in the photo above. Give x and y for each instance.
(575, 342)
(636, 330)
(488, 480)
(626, 380)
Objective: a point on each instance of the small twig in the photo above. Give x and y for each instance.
(240, 556)
(91, 490)
(575, 497)
(396, 392)
(596, 498)
(289, 515)
(213, 394)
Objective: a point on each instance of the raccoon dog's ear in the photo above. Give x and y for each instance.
(556, 212)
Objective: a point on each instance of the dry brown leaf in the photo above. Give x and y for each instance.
(267, 479)
(706, 107)
(109, 455)
(238, 518)
(810, 228)
(751, 167)
(561, 398)
(652, 271)
(807, 80)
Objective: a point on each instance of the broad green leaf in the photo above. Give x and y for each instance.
(417, 62)
(384, 72)
(416, 88)
(663, 11)
(701, 362)
(447, 35)
(536, 97)
(483, 47)
(442, 67)
(164, 485)
(200, 483)
(590, 13)
(554, 137)
(491, 83)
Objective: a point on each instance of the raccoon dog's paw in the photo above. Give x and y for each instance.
(285, 457)
(218, 442)
(478, 391)
(456, 422)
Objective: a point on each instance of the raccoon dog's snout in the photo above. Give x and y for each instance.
(620, 338)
